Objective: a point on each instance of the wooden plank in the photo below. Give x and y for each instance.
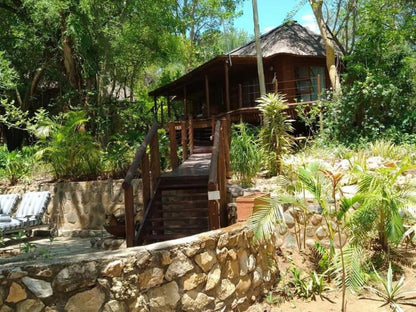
(155, 161)
(145, 180)
(227, 86)
(173, 146)
(129, 215)
(190, 135)
(207, 95)
(183, 141)
(213, 210)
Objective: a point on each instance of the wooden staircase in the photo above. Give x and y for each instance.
(177, 204)
(179, 209)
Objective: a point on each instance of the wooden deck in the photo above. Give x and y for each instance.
(197, 165)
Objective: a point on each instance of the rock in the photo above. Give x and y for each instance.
(113, 269)
(139, 304)
(310, 231)
(289, 220)
(44, 273)
(193, 280)
(39, 288)
(31, 305)
(213, 277)
(87, 301)
(232, 254)
(75, 276)
(222, 254)
(243, 285)
(222, 241)
(251, 264)
(165, 258)
(257, 276)
(225, 290)
(16, 293)
(16, 273)
(5, 308)
(321, 232)
(243, 261)
(194, 301)
(115, 306)
(310, 243)
(206, 260)
(151, 278)
(192, 250)
(290, 241)
(337, 241)
(164, 298)
(179, 267)
(232, 268)
(316, 219)
(142, 261)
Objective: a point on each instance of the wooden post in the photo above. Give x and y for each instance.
(190, 135)
(129, 215)
(169, 108)
(214, 209)
(145, 180)
(183, 141)
(155, 107)
(227, 86)
(173, 146)
(240, 100)
(155, 161)
(225, 147)
(207, 96)
(185, 102)
(276, 85)
(162, 118)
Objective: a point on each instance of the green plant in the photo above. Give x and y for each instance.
(28, 247)
(117, 156)
(245, 154)
(309, 114)
(392, 294)
(16, 165)
(67, 146)
(382, 148)
(379, 211)
(275, 138)
(309, 286)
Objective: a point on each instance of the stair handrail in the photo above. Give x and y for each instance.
(150, 172)
(217, 179)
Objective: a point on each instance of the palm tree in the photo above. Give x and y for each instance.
(383, 199)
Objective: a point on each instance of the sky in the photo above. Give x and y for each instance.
(272, 13)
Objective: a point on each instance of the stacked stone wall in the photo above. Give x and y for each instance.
(222, 270)
(77, 207)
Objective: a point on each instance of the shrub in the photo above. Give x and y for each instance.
(245, 153)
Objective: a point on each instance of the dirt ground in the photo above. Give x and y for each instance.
(355, 302)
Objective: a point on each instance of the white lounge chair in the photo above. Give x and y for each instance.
(28, 215)
(8, 203)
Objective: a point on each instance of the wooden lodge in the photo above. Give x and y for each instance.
(293, 59)
(192, 198)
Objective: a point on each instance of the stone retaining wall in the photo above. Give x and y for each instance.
(221, 270)
(82, 206)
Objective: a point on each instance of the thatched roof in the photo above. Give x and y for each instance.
(291, 38)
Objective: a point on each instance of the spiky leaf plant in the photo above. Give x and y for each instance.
(275, 132)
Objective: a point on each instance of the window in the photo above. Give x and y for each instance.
(307, 82)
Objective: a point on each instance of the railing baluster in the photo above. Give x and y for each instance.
(183, 141)
(129, 215)
(174, 161)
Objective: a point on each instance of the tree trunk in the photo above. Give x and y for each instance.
(329, 45)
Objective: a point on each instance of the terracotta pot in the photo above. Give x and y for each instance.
(247, 204)
(118, 230)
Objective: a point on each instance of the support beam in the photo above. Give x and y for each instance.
(169, 108)
(207, 96)
(185, 103)
(227, 86)
(155, 107)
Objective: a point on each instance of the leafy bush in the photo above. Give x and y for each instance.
(16, 165)
(275, 135)
(245, 153)
(67, 146)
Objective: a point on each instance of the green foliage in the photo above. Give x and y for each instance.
(308, 287)
(379, 85)
(392, 294)
(379, 211)
(245, 154)
(117, 156)
(67, 146)
(275, 138)
(16, 166)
